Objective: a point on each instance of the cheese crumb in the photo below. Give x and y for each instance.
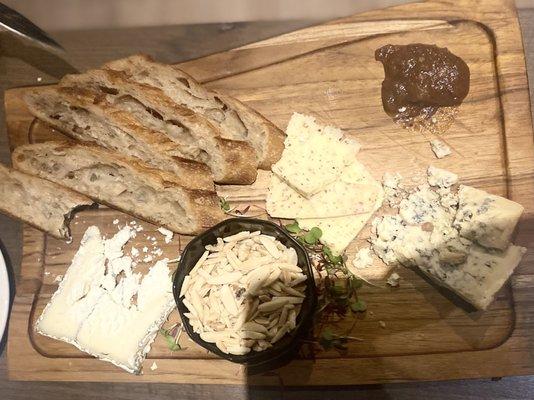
(439, 148)
(39, 79)
(154, 366)
(148, 258)
(145, 249)
(115, 221)
(167, 233)
(47, 273)
(134, 252)
(58, 278)
(393, 279)
(363, 258)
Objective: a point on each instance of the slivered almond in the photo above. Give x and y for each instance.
(244, 292)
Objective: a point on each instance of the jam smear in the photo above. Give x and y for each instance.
(419, 79)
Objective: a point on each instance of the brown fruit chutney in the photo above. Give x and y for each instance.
(420, 78)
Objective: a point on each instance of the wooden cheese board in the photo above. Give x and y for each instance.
(329, 71)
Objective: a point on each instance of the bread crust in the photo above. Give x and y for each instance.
(270, 143)
(201, 206)
(190, 173)
(231, 161)
(72, 200)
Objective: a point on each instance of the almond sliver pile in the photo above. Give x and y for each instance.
(244, 293)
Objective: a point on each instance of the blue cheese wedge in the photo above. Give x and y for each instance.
(106, 309)
(314, 156)
(353, 193)
(480, 277)
(486, 219)
(441, 178)
(425, 234)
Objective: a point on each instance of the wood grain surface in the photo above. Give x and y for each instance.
(495, 187)
(335, 57)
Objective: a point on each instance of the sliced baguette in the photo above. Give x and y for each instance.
(38, 202)
(230, 161)
(235, 119)
(123, 183)
(85, 116)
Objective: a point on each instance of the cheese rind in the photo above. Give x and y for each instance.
(314, 156)
(93, 312)
(78, 292)
(485, 218)
(121, 332)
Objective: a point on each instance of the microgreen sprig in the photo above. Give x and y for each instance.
(339, 294)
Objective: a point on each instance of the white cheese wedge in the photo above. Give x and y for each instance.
(314, 155)
(485, 218)
(339, 232)
(105, 309)
(78, 292)
(353, 193)
(122, 332)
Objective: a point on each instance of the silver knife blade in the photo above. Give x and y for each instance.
(22, 26)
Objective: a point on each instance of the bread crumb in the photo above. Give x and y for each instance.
(382, 324)
(148, 258)
(134, 252)
(145, 249)
(47, 273)
(154, 366)
(58, 278)
(39, 79)
(115, 221)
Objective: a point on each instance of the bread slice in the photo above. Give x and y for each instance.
(85, 116)
(122, 182)
(235, 119)
(38, 202)
(230, 161)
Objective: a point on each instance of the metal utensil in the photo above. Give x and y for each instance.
(20, 25)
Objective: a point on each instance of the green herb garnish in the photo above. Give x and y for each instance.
(312, 236)
(225, 206)
(293, 228)
(170, 339)
(358, 306)
(336, 260)
(330, 340)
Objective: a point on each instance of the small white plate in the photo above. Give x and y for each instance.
(4, 295)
